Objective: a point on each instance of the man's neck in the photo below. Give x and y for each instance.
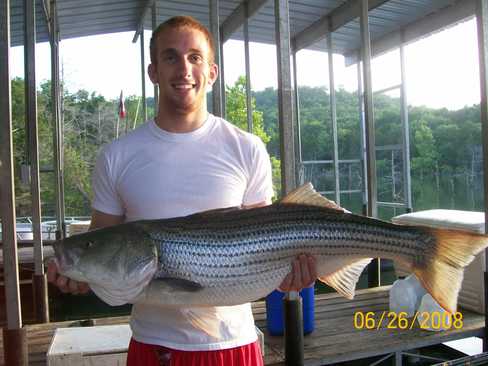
(175, 122)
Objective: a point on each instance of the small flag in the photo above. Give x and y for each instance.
(122, 111)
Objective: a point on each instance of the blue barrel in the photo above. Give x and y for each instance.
(274, 311)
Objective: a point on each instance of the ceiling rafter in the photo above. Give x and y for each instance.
(330, 23)
(236, 19)
(140, 25)
(420, 28)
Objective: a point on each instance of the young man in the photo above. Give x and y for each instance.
(185, 161)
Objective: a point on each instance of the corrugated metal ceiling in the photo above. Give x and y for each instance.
(79, 18)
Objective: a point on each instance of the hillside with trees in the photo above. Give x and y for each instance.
(446, 165)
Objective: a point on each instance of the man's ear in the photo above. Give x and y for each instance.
(153, 73)
(213, 74)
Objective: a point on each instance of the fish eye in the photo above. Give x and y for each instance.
(89, 244)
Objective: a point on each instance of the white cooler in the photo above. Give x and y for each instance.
(90, 346)
(472, 291)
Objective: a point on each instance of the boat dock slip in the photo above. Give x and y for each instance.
(337, 337)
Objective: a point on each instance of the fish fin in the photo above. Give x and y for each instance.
(307, 195)
(200, 319)
(344, 280)
(110, 297)
(176, 284)
(442, 274)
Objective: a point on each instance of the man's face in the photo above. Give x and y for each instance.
(183, 69)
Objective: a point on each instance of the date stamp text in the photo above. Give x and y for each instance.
(392, 320)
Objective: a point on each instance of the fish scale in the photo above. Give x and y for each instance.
(223, 257)
(229, 257)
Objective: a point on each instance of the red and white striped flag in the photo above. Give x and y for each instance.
(122, 111)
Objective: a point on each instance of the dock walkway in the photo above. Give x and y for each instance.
(335, 338)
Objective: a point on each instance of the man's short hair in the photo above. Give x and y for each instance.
(181, 22)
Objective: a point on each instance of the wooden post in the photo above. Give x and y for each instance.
(218, 88)
(14, 337)
(482, 22)
(40, 291)
(156, 90)
(292, 302)
(372, 207)
(15, 347)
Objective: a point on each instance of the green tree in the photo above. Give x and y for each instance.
(236, 109)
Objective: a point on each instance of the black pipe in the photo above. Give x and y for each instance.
(41, 303)
(292, 305)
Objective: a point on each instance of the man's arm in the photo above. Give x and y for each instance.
(304, 268)
(66, 285)
(101, 219)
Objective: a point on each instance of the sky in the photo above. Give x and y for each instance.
(442, 70)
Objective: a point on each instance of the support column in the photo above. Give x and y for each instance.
(285, 97)
(154, 26)
(222, 78)
(296, 101)
(333, 116)
(405, 132)
(292, 303)
(217, 89)
(14, 339)
(15, 347)
(143, 77)
(482, 22)
(363, 139)
(58, 155)
(368, 111)
(372, 208)
(248, 72)
(40, 293)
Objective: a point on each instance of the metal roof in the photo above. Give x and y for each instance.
(390, 20)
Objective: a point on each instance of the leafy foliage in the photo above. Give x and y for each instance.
(445, 145)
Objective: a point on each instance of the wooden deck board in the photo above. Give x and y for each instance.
(334, 340)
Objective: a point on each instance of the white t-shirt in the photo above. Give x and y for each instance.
(151, 173)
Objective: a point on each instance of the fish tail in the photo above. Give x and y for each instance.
(443, 271)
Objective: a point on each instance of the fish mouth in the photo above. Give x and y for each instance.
(63, 261)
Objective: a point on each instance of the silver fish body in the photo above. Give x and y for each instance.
(229, 257)
(240, 256)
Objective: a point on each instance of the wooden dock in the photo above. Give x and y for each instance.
(335, 338)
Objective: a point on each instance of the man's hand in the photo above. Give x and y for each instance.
(65, 284)
(303, 274)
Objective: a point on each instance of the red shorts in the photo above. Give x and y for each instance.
(142, 354)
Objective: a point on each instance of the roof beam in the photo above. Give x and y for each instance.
(423, 27)
(329, 23)
(140, 25)
(238, 16)
(47, 14)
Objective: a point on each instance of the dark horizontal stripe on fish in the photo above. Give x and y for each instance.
(284, 258)
(293, 248)
(265, 215)
(314, 231)
(205, 275)
(335, 238)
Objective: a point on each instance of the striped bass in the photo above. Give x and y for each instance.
(229, 257)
